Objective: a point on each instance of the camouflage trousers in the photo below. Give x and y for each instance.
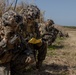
(5, 69)
(15, 67)
(18, 67)
(42, 50)
(39, 53)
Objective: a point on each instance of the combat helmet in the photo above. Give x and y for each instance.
(31, 12)
(10, 17)
(49, 22)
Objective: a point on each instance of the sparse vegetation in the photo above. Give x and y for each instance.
(73, 27)
(61, 55)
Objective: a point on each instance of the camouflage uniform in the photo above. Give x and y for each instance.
(48, 31)
(32, 31)
(41, 47)
(4, 55)
(11, 50)
(52, 30)
(20, 67)
(28, 30)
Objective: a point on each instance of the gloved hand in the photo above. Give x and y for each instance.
(30, 59)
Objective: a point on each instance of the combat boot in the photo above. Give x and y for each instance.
(39, 65)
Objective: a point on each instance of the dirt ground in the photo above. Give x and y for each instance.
(62, 60)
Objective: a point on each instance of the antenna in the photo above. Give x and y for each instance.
(15, 4)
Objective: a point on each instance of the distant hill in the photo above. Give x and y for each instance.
(74, 27)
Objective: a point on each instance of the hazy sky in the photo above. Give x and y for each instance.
(63, 12)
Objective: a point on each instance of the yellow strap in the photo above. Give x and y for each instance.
(35, 41)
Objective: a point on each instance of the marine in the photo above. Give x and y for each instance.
(48, 31)
(52, 31)
(33, 34)
(20, 40)
(11, 46)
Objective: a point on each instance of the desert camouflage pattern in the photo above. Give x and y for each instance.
(31, 11)
(23, 41)
(10, 44)
(14, 46)
(48, 31)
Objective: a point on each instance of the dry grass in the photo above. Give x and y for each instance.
(60, 60)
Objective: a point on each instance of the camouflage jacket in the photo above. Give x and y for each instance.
(31, 31)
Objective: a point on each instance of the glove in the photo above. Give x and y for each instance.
(34, 41)
(30, 59)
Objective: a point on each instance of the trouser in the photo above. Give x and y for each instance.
(18, 67)
(39, 53)
(5, 69)
(42, 50)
